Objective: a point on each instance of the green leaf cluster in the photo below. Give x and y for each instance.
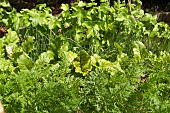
(89, 58)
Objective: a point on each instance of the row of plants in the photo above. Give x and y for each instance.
(100, 60)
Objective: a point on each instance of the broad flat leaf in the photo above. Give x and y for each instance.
(45, 57)
(24, 62)
(136, 53)
(140, 50)
(62, 50)
(58, 24)
(82, 63)
(117, 66)
(112, 67)
(5, 21)
(94, 59)
(80, 17)
(136, 50)
(71, 56)
(85, 61)
(11, 37)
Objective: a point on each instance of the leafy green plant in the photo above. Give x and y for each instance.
(103, 59)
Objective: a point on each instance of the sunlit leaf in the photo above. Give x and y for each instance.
(71, 56)
(45, 57)
(81, 4)
(65, 7)
(24, 62)
(12, 37)
(82, 63)
(4, 3)
(120, 18)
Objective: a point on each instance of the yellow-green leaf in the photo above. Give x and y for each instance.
(82, 63)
